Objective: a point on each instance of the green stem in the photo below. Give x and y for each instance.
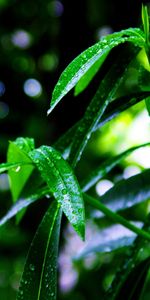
(115, 217)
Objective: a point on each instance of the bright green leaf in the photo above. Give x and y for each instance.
(82, 63)
(15, 166)
(17, 152)
(88, 76)
(39, 279)
(62, 183)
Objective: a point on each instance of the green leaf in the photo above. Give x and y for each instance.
(17, 152)
(23, 203)
(106, 167)
(147, 102)
(15, 166)
(132, 258)
(82, 63)
(39, 279)
(63, 144)
(115, 217)
(128, 192)
(104, 95)
(133, 285)
(145, 21)
(88, 76)
(62, 183)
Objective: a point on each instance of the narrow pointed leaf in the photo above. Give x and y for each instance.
(23, 203)
(128, 192)
(39, 279)
(145, 20)
(130, 261)
(95, 110)
(88, 76)
(62, 183)
(106, 167)
(81, 64)
(134, 283)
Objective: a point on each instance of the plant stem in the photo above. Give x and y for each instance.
(115, 217)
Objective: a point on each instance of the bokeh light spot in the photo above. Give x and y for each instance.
(21, 39)
(48, 62)
(103, 186)
(32, 88)
(2, 88)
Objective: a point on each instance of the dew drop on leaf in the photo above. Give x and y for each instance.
(17, 169)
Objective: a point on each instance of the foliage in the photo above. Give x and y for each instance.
(51, 171)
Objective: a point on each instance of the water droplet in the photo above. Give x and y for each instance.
(47, 196)
(17, 169)
(32, 267)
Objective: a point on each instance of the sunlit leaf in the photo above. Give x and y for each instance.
(106, 167)
(88, 76)
(62, 183)
(17, 152)
(8, 166)
(39, 279)
(81, 64)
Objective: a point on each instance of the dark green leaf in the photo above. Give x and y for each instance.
(39, 279)
(81, 64)
(133, 285)
(23, 203)
(62, 183)
(106, 167)
(99, 103)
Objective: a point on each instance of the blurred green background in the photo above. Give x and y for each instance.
(37, 41)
